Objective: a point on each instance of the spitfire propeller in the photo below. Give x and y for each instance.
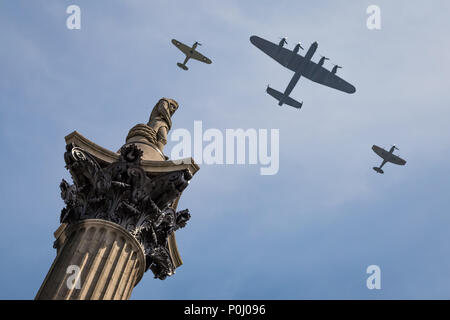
(393, 145)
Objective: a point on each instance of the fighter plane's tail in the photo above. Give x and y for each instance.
(282, 99)
(182, 66)
(379, 170)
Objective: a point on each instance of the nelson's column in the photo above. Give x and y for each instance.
(120, 216)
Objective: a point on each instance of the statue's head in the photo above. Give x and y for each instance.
(164, 110)
(173, 106)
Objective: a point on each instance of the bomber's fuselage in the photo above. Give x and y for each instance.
(312, 49)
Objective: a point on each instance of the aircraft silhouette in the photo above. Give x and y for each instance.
(302, 66)
(189, 52)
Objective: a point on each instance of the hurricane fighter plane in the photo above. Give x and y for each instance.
(387, 156)
(190, 52)
(302, 66)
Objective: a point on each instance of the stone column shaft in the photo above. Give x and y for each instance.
(110, 262)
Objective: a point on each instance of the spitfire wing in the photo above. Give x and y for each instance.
(183, 48)
(397, 160)
(380, 151)
(198, 56)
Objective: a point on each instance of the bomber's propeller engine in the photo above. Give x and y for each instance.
(298, 46)
(283, 41)
(322, 60)
(335, 68)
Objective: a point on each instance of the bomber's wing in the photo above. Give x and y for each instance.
(295, 62)
(319, 74)
(283, 56)
(198, 56)
(183, 48)
(396, 160)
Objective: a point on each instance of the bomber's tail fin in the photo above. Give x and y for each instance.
(282, 99)
(182, 66)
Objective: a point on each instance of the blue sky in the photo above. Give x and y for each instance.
(308, 232)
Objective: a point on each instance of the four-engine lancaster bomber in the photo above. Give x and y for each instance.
(387, 156)
(302, 66)
(190, 52)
